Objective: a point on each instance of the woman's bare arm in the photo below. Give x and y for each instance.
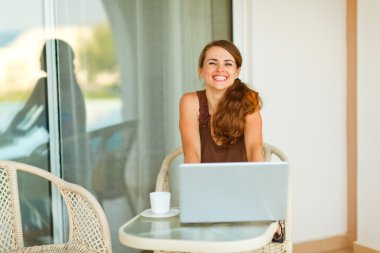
(189, 127)
(253, 137)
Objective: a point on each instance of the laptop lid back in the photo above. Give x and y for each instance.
(233, 192)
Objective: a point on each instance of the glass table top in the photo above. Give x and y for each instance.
(171, 228)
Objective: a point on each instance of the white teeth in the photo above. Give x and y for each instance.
(220, 78)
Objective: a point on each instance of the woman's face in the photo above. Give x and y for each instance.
(219, 68)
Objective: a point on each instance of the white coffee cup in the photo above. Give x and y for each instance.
(160, 202)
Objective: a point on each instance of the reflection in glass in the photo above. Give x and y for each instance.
(72, 113)
(23, 106)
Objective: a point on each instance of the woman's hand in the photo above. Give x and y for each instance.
(280, 233)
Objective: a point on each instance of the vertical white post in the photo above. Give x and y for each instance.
(52, 96)
(242, 36)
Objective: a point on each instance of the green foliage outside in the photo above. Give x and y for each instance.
(14, 96)
(98, 55)
(108, 92)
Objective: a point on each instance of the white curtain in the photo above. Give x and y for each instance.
(157, 45)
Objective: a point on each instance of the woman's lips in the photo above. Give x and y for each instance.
(220, 78)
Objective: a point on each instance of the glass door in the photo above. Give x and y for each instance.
(24, 127)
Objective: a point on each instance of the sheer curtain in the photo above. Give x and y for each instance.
(157, 45)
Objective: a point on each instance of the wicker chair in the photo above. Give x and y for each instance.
(88, 226)
(162, 184)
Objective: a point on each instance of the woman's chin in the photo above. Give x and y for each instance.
(221, 86)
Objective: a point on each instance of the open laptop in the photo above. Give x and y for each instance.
(232, 192)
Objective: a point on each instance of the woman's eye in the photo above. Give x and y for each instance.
(212, 63)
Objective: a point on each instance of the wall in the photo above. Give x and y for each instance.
(295, 56)
(368, 123)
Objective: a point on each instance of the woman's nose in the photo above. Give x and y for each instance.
(220, 67)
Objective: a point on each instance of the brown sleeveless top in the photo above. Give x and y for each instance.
(210, 151)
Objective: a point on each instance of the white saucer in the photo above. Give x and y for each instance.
(150, 214)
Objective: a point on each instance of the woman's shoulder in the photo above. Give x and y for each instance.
(189, 97)
(189, 101)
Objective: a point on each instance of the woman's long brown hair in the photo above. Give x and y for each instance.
(228, 120)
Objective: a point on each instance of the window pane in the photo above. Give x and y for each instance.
(23, 108)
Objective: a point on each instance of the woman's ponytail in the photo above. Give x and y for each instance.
(228, 121)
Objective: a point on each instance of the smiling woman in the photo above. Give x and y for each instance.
(221, 123)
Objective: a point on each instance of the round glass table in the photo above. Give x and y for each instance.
(169, 234)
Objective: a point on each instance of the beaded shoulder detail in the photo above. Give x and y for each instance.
(204, 116)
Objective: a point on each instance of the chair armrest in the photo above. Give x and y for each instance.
(162, 183)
